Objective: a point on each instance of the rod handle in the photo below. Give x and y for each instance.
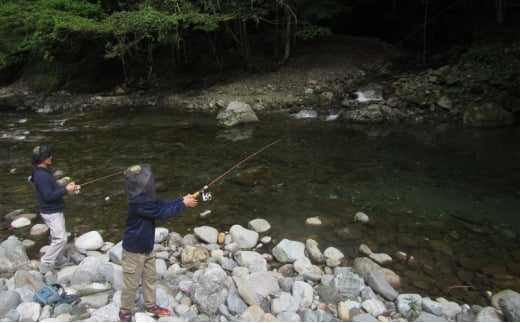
(198, 192)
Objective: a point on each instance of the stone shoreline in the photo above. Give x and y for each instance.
(217, 276)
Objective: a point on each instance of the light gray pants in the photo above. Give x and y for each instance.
(56, 224)
(138, 268)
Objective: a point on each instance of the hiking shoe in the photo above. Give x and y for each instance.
(45, 267)
(125, 317)
(156, 310)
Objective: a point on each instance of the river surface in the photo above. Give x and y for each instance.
(447, 196)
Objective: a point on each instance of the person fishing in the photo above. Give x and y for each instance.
(138, 258)
(49, 196)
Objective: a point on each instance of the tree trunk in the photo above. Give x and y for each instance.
(499, 10)
(287, 36)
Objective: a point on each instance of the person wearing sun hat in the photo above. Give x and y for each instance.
(49, 196)
(138, 258)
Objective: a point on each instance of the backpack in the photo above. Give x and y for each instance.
(54, 294)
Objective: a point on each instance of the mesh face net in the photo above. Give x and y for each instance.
(139, 184)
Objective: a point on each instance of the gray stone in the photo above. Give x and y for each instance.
(364, 317)
(234, 302)
(245, 238)
(259, 225)
(510, 306)
(8, 300)
(380, 285)
(428, 317)
(287, 251)
(210, 288)
(206, 234)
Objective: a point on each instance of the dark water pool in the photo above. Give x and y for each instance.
(448, 196)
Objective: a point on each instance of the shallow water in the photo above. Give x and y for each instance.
(448, 196)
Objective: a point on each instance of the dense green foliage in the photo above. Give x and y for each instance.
(82, 45)
(140, 34)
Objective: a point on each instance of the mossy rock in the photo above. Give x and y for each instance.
(487, 115)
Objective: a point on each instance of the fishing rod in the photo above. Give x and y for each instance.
(78, 187)
(206, 196)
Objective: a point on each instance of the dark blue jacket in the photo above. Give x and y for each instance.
(49, 194)
(140, 223)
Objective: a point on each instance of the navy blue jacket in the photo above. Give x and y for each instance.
(49, 194)
(140, 223)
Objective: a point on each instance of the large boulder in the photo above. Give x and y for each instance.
(236, 113)
(487, 115)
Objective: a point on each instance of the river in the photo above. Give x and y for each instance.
(447, 196)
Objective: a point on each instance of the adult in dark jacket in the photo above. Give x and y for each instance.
(49, 196)
(138, 258)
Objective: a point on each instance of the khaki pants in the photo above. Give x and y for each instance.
(56, 224)
(138, 268)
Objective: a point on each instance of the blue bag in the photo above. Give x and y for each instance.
(54, 294)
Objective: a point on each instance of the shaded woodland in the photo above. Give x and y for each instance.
(94, 45)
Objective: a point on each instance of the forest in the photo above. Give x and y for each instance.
(92, 45)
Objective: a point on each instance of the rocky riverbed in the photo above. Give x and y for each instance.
(209, 275)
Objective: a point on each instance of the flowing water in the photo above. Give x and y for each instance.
(447, 196)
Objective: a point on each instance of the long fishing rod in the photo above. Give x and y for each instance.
(206, 196)
(78, 187)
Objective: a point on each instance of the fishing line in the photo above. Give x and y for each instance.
(206, 196)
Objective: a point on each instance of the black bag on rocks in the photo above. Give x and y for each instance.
(54, 294)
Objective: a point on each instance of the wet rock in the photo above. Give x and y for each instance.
(361, 217)
(236, 113)
(314, 221)
(380, 285)
(312, 249)
(487, 115)
(259, 225)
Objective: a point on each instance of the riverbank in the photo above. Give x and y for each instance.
(228, 276)
(364, 78)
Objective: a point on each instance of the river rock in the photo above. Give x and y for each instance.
(489, 314)
(314, 252)
(510, 306)
(236, 113)
(206, 234)
(89, 241)
(210, 288)
(347, 283)
(380, 258)
(333, 253)
(364, 265)
(246, 239)
(38, 229)
(161, 234)
(487, 115)
(361, 217)
(314, 221)
(20, 222)
(252, 260)
(8, 300)
(288, 251)
(380, 285)
(259, 225)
